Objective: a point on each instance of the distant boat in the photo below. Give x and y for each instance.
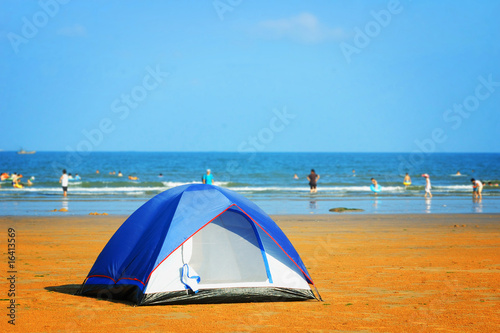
(24, 152)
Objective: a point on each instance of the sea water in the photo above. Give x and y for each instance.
(265, 178)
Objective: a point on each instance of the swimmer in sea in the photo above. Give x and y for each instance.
(295, 176)
(17, 182)
(458, 173)
(13, 178)
(16, 178)
(120, 174)
(375, 185)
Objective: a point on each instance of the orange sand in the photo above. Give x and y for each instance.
(376, 273)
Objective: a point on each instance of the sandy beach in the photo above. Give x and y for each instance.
(376, 273)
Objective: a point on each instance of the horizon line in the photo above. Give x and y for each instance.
(257, 152)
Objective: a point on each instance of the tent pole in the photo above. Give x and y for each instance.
(81, 287)
(317, 292)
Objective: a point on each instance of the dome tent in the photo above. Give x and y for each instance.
(198, 244)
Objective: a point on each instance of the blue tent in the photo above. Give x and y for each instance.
(198, 243)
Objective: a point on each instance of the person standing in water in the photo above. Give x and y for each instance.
(375, 187)
(208, 178)
(407, 180)
(64, 182)
(427, 186)
(477, 188)
(313, 181)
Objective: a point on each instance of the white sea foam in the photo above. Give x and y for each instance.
(453, 188)
(174, 184)
(320, 188)
(87, 190)
(138, 190)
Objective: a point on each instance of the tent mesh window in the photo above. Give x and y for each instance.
(226, 251)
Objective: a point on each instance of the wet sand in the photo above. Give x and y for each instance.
(376, 273)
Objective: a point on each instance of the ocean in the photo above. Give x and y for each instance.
(265, 178)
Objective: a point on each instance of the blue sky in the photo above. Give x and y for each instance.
(230, 75)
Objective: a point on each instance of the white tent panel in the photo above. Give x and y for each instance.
(167, 276)
(226, 254)
(227, 251)
(284, 272)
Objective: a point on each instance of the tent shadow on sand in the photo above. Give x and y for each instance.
(71, 289)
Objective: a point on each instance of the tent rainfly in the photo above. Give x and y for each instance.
(198, 244)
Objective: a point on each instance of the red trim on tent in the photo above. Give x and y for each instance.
(188, 239)
(134, 279)
(104, 276)
(276, 243)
